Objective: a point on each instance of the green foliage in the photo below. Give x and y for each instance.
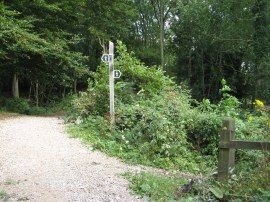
(10, 181)
(96, 131)
(242, 186)
(27, 50)
(205, 41)
(152, 120)
(101, 24)
(229, 105)
(203, 131)
(36, 111)
(137, 82)
(63, 105)
(154, 187)
(173, 187)
(149, 80)
(156, 125)
(154, 128)
(216, 39)
(250, 183)
(262, 195)
(2, 102)
(3, 195)
(17, 105)
(24, 106)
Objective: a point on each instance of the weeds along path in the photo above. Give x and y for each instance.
(40, 163)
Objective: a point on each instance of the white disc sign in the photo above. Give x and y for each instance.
(117, 74)
(107, 58)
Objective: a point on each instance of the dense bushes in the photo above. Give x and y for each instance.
(157, 125)
(17, 105)
(154, 116)
(203, 131)
(154, 128)
(24, 106)
(152, 109)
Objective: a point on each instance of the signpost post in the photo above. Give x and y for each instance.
(113, 74)
(111, 81)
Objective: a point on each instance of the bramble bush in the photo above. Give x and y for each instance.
(156, 124)
(25, 106)
(17, 105)
(155, 128)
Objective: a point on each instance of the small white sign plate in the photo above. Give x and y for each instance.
(107, 58)
(116, 74)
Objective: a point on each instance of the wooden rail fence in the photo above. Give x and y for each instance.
(227, 146)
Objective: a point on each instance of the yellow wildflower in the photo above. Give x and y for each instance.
(258, 103)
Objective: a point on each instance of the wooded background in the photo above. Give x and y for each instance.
(49, 48)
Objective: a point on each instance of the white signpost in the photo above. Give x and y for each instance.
(108, 58)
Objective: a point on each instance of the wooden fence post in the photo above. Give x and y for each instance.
(226, 159)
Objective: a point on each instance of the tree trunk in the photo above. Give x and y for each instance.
(203, 75)
(161, 29)
(42, 91)
(102, 44)
(37, 93)
(50, 93)
(64, 93)
(189, 67)
(30, 90)
(261, 44)
(75, 85)
(210, 82)
(15, 86)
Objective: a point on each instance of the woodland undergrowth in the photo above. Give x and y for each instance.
(159, 124)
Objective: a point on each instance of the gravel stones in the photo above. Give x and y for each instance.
(40, 163)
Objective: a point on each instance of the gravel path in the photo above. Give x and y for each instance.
(40, 163)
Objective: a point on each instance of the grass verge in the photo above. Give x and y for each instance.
(3, 195)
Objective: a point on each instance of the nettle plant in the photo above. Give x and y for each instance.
(229, 105)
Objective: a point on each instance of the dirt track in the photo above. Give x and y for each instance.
(40, 163)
